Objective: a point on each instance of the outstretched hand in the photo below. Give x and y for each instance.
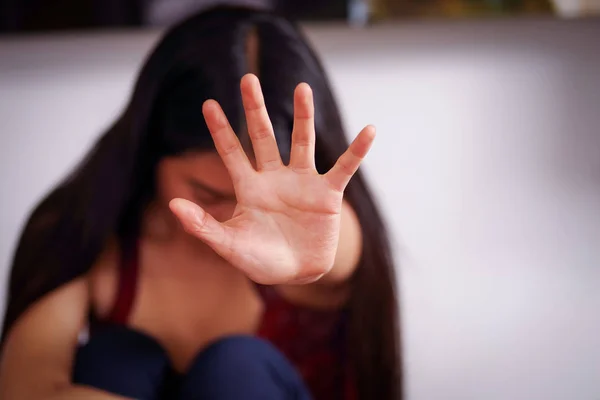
(286, 224)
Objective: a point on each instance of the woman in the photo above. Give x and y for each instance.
(270, 248)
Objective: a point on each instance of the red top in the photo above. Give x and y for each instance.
(312, 340)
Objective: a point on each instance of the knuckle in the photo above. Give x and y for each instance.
(261, 132)
(199, 224)
(230, 149)
(301, 142)
(347, 167)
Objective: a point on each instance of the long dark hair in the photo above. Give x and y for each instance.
(205, 57)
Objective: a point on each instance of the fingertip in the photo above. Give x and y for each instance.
(176, 205)
(366, 137)
(214, 115)
(184, 209)
(210, 105)
(303, 101)
(303, 89)
(249, 80)
(370, 131)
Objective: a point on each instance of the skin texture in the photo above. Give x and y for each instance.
(243, 220)
(292, 210)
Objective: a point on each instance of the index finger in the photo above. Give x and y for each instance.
(226, 141)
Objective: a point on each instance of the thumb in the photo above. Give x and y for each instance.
(199, 223)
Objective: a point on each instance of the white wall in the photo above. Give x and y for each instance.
(486, 164)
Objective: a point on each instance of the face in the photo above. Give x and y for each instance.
(198, 177)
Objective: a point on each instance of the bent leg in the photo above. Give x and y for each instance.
(242, 367)
(122, 361)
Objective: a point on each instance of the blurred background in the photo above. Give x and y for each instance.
(487, 163)
(51, 15)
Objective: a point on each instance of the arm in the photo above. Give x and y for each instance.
(285, 229)
(38, 353)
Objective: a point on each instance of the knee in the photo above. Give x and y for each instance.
(240, 350)
(122, 361)
(243, 367)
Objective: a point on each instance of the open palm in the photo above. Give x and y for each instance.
(286, 224)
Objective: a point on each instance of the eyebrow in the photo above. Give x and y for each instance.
(212, 191)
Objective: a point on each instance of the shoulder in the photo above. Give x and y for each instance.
(41, 342)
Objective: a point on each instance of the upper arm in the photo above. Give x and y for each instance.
(38, 352)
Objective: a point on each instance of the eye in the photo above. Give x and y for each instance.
(204, 197)
(208, 196)
(210, 199)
